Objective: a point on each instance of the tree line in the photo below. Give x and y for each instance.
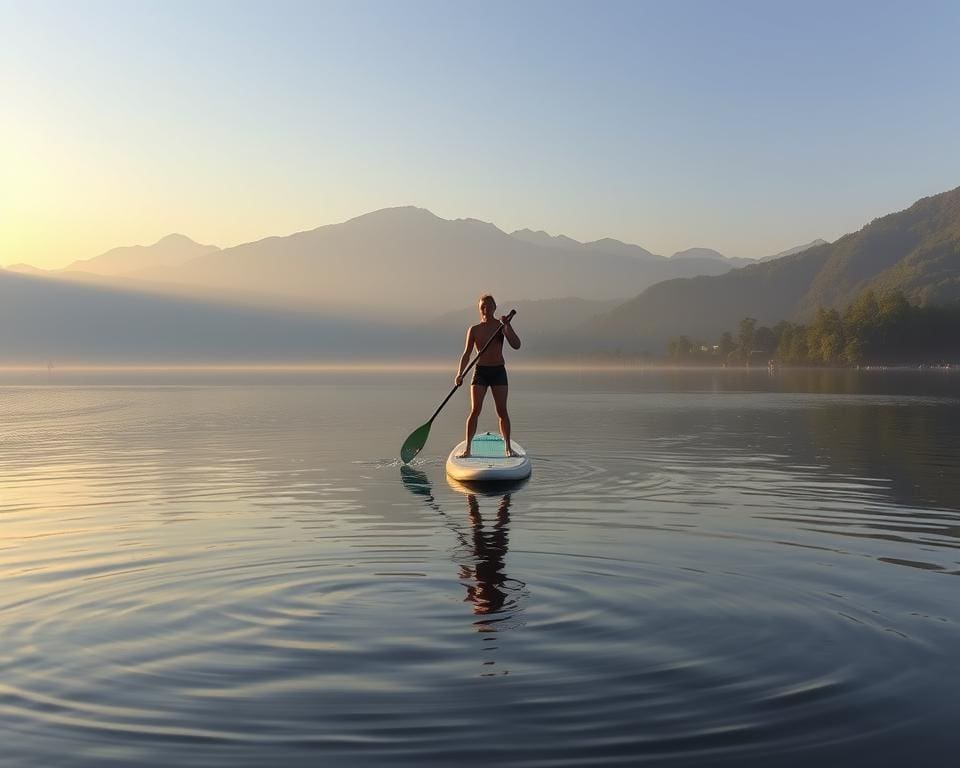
(875, 329)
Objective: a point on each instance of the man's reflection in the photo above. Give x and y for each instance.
(481, 568)
(487, 585)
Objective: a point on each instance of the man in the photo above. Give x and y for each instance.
(490, 370)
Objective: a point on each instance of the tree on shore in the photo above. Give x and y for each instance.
(745, 337)
(876, 328)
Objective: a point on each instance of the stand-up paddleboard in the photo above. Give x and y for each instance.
(487, 460)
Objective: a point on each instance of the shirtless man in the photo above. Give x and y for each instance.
(490, 370)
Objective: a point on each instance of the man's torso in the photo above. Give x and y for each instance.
(493, 355)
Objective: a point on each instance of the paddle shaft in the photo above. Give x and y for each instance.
(465, 370)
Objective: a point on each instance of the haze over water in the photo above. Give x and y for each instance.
(710, 568)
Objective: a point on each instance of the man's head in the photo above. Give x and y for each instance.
(488, 306)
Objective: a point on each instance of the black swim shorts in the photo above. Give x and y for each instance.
(490, 376)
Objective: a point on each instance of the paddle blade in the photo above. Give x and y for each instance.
(414, 444)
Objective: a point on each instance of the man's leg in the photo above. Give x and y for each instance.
(477, 393)
(500, 399)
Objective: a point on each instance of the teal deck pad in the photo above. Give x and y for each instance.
(487, 446)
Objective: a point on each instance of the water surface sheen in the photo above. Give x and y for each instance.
(719, 568)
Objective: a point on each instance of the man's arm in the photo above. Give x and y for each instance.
(465, 356)
(509, 334)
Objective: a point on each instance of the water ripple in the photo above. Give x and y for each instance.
(225, 576)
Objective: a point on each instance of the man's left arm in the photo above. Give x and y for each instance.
(509, 334)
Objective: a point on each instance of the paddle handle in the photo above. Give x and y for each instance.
(473, 363)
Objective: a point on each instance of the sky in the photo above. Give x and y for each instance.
(748, 127)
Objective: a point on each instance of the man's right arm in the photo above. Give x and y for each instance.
(465, 356)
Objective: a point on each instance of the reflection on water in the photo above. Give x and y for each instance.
(486, 583)
(483, 548)
(724, 569)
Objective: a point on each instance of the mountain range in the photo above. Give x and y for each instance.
(402, 282)
(394, 260)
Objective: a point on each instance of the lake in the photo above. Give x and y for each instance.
(723, 568)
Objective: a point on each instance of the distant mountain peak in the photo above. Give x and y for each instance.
(171, 250)
(477, 223)
(540, 237)
(796, 249)
(611, 245)
(25, 269)
(175, 238)
(699, 253)
(605, 241)
(396, 214)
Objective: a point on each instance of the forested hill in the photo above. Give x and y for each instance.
(916, 251)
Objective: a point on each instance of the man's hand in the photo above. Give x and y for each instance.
(459, 379)
(505, 319)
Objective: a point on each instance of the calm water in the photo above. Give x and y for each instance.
(705, 569)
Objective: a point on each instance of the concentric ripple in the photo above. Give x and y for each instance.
(230, 576)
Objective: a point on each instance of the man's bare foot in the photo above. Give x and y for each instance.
(464, 455)
(512, 454)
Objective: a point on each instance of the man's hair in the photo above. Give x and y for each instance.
(485, 297)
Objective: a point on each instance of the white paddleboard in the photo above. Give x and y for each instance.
(487, 460)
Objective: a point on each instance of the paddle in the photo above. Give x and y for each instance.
(418, 438)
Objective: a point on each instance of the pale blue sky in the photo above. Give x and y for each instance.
(748, 127)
